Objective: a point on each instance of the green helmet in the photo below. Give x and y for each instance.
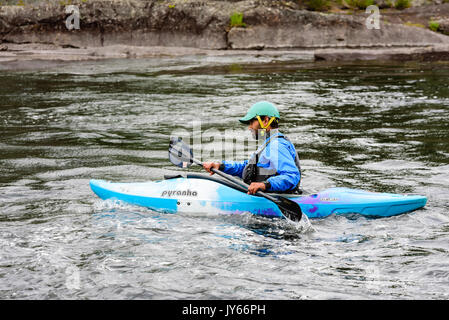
(262, 108)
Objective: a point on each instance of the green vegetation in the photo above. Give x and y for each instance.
(360, 4)
(389, 3)
(237, 20)
(402, 4)
(433, 25)
(410, 24)
(317, 5)
(235, 68)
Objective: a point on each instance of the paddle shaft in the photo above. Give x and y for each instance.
(236, 181)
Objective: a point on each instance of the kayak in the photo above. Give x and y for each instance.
(198, 193)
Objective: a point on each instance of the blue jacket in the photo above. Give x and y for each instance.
(288, 175)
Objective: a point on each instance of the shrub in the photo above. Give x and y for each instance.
(317, 5)
(361, 4)
(402, 4)
(237, 20)
(433, 25)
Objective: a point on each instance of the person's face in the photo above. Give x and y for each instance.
(254, 126)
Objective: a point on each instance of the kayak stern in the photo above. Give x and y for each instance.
(344, 200)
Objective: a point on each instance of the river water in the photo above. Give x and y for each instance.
(373, 126)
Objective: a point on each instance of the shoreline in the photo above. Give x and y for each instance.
(111, 29)
(39, 56)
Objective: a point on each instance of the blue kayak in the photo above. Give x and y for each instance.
(198, 193)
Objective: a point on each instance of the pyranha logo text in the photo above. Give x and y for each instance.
(169, 193)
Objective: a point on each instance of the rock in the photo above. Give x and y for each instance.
(105, 22)
(443, 26)
(3, 47)
(440, 52)
(206, 25)
(303, 29)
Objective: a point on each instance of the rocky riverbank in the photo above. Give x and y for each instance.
(47, 30)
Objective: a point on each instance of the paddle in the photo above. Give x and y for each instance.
(181, 155)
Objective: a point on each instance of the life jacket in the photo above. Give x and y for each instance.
(254, 173)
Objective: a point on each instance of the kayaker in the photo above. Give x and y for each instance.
(274, 167)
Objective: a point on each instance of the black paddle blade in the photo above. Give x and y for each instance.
(180, 153)
(289, 208)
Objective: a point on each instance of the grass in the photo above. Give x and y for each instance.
(433, 25)
(361, 4)
(237, 20)
(410, 24)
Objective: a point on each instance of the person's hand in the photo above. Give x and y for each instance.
(256, 186)
(209, 165)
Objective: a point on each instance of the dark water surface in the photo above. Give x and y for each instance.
(378, 127)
